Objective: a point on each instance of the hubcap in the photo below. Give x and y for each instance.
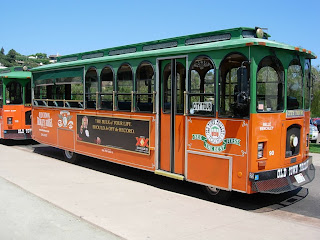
(213, 190)
(68, 154)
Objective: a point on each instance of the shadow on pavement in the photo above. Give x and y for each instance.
(11, 142)
(258, 203)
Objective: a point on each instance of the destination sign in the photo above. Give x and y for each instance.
(202, 106)
(294, 113)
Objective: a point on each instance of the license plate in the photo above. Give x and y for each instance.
(299, 178)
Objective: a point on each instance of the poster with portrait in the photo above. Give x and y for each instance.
(126, 134)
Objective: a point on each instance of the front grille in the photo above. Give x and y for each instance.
(28, 117)
(293, 130)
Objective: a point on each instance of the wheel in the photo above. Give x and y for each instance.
(217, 195)
(70, 157)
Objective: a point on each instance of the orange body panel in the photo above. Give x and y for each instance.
(209, 170)
(271, 129)
(49, 128)
(179, 143)
(18, 129)
(165, 142)
(215, 159)
(220, 152)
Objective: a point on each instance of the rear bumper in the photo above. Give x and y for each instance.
(283, 179)
(17, 134)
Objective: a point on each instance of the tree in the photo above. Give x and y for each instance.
(41, 55)
(11, 56)
(2, 51)
(315, 106)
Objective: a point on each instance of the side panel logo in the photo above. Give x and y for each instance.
(64, 119)
(215, 134)
(142, 144)
(215, 131)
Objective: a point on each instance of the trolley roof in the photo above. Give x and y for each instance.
(224, 39)
(15, 73)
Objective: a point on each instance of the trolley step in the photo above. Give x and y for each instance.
(169, 174)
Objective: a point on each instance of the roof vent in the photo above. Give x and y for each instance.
(215, 38)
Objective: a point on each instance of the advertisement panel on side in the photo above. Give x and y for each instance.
(121, 133)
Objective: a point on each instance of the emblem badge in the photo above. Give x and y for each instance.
(64, 119)
(215, 131)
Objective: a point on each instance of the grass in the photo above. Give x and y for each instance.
(314, 148)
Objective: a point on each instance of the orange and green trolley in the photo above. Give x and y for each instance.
(15, 103)
(227, 109)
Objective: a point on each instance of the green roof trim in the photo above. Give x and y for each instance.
(16, 75)
(224, 39)
(16, 72)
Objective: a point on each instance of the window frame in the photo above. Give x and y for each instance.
(307, 85)
(152, 93)
(21, 92)
(102, 93)
(50, 78)
(202, 94)
(281, 80)
(295, 62)
(117, 93)
(219, 86)
(86, 94)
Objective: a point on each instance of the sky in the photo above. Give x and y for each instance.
(69, 26)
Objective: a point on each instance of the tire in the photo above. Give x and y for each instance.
(70, 157)
(217, 195)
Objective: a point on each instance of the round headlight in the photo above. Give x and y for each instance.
(259, 33)
(294, 140)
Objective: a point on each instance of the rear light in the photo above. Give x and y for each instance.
(260, 149)
(9, 120)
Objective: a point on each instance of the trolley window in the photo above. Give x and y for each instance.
(145, 87)
(14, 93)
(234, 86)
(202, 87)
(294, 86)
(180, 84)
(307, 84)
(107, 79)
(270, 82)
(59, 88)
(124, 87)
(91, 86)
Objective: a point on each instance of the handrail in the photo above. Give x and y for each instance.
(200, 94)
(54, 101)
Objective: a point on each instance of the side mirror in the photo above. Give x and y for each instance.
(242, 76)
